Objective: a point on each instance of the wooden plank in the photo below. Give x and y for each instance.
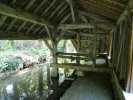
(8, 11)
(82, 67)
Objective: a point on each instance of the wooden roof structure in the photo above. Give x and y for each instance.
(60, 19)
(31, 19)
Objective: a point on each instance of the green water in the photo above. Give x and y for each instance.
(28, 84)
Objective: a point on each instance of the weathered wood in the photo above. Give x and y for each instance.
(8, 11)
(74, 57)
(57, 9)
(48, 45)
(6, 35)
(117, 88)
(80, 26)
(121, 44)
(82, 67)
(115, 2)
(94, 48)
(74, 11)
(47, 9)
(101, 7)
(40, 5)
(110, 43)
(126, 11)
(75, 54)
(11, 24)
(74, 26)
(78, 41)
(130, 61)
(97, 10)
(30, 3)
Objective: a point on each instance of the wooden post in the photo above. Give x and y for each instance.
(129, 84)
(94, 48)
(110, 43)
(54, 71)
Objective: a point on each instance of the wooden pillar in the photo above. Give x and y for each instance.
(110, 43)
(94, 48)
(54, 71)
(55, 61)
(129, 85)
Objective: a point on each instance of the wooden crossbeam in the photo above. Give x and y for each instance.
(74, 26)
(74, 57)
(8, 11)
(82, 67)
(75, 54)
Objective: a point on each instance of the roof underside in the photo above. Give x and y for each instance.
(58, 12)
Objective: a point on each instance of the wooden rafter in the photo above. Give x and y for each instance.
(97, 11)
(8, 11)
(97, 5)
(55, 11)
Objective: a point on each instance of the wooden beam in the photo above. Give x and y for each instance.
(11, 24)
(47, 9)
(55, 11)
(30, 3)
(89, 8)
(74, 26)
(75, 54)
(48, 45)
(106, 5)
(73, 9)
(8, 11)
(74, 57)
(8, 35)
(130, 61)
(128, 9)
(99, 6)
(82, 67)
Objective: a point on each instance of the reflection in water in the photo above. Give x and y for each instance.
(31, 85)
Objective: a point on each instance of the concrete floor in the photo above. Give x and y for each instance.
(93, 86)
